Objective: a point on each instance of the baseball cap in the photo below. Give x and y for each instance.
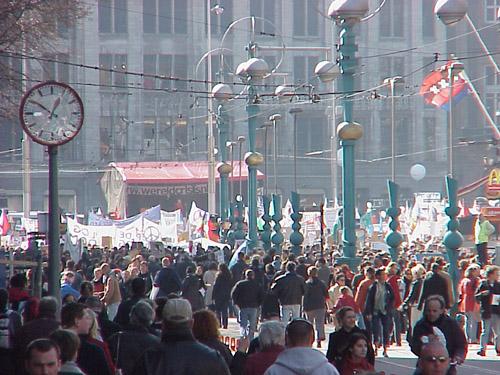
(177, 310)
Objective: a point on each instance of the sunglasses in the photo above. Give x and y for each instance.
(441, 359)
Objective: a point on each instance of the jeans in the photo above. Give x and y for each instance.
(492, 324)
(112, 310)
(317, 317)
(384, 320)
(248, 322)
(482, 253)
(287, 310)
(471, 326)
(398, 326)
(221, 309)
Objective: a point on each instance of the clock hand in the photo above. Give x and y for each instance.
(56, 104)
(40, 105)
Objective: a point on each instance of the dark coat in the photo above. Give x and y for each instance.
(168, 281)
(191, 291)
(247, 293)
(180, 354)
(237, 270)
(434, 284)
(133, 342)
(315, 295)
(92, 359)
(289, 288)
(220, 347)
(222, 290)
(456, 343)
(338, 342)
(412, 298)
(370, 299)
(486, 308)
(123, 314)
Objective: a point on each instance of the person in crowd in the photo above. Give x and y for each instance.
(299, 357)
(483, 229)
(78, 279)
(179, 352)
(289, 288)
(354, 359)
(107, 326)
(206, 331)
(271, 304)
(360, 298)
(68, 343)
(191, 287)
(434, 284)
(239, 267)
(434, 359)
(221, 294)
(128, 346)
(167, 279)
(248, 295)
(301, 267)
(338, 340)
(334, 290)
(10, 322)
(95, 338)
(394, 280)
(91, 358)
(112, 296)
(411, 302)
(315, 296)
(138, 288)
(146, 276)
(42, 358)
(323, 271)
(468, 304)
(67, 286)
(98, 283)
(271, 344)
(437, 323)
(257, 269)
(38, 328)
(86, 291)
(209, 280)
(17, 291)
(379, 309)
(488, 295)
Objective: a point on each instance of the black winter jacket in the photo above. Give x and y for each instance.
(487, 309)
(370, 299)
(289, 288)
(247, 293)
(315, 295)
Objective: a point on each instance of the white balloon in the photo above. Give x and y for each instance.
(417, 172)
(340, 157)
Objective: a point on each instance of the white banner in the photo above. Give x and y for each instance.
(168, 225)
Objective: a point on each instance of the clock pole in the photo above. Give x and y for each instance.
(54, 219)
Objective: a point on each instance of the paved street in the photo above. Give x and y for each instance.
(401, 360)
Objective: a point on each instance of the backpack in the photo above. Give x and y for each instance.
(5, 330)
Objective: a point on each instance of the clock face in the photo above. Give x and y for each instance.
(51, 113)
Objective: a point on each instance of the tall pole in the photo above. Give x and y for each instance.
(54, 247)
(223, 168)
(266, 183)
(26, 149)
(274, 119)
(295, 112)
(231, 182)
(241, 139)
(210, 142)
(450, 122)
(393, 133)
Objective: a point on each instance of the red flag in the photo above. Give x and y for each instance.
(4, 223)
(436, 88)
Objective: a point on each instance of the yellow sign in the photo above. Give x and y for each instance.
(493, 185)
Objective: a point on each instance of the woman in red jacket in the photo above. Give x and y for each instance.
(468, 304)
(354, 361)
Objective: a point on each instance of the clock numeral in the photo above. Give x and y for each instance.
(30, 125)
(40, 92)
(51, 90)
(72, 101)
(29, 113)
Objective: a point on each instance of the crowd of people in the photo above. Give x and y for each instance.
(138, 313)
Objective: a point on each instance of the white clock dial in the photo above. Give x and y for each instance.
(51, 113)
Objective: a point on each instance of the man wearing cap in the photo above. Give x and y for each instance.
(179, 352)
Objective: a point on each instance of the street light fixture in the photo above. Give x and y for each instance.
(348, 13)
(327, 71)
(450, 11)
(391, 83)
(284, 93)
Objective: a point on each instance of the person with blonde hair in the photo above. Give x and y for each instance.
(468, 304)
(410, 303)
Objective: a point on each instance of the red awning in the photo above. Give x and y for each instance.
(173, 172)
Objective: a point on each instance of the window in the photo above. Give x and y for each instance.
(118, 63)
(168, 66)
(303, 68)
(312, 133)
(165, 16)
(429, 141)
(112, 16)
(264, 9)
(217, 72)
(52, 70)
(222, 21)
(392, 19)
(493, 104)
(492, 77)
(385, 135)
(305, 18)
(428, 19)
(403, 131)
(10, 75)
(491, 10)
(391, 66)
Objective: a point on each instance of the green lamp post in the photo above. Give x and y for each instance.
(253, 71)
(347, 13)
(394, 238)
(277, 237)
(222, 92)
(265, 235)
(296, 238)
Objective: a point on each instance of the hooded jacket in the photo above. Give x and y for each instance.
(301, 361)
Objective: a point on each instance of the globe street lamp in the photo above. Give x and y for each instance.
(221, 93)
(450, 12)
(348, 13)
